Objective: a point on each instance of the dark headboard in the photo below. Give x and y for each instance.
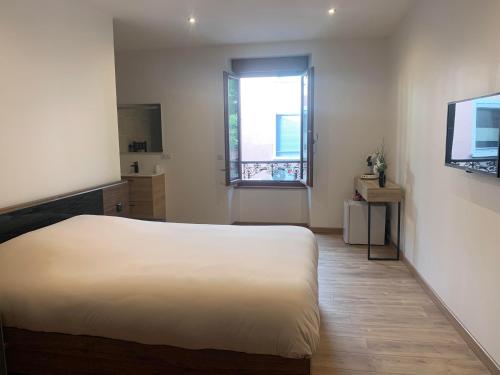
(17, 221)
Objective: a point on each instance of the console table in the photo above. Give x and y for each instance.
(373, 193)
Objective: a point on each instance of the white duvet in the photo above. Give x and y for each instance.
(246, 289)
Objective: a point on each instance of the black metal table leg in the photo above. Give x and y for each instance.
(399, 228)
(369, 229)
(369, 234)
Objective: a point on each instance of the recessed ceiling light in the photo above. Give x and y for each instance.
(191, 20)
(331, 11)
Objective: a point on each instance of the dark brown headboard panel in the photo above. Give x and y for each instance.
(17, 221)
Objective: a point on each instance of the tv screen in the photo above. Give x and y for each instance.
(473, 135)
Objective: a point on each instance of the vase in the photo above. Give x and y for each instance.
(381, 179)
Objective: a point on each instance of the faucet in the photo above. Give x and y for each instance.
(135, 165)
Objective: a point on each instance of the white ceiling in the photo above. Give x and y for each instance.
(153, 24)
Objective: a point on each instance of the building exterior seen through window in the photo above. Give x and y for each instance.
(270, 128)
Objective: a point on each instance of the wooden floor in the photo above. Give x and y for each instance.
(376, 319)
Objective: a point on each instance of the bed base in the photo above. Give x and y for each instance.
(54, 353)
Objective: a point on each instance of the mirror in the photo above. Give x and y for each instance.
(139, 128)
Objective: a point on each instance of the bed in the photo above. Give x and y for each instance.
(99, 294)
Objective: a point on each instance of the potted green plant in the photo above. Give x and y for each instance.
(380, 165)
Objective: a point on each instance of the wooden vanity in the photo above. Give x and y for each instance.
(115, 199)
(146, 196)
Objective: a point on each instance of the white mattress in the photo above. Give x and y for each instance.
(246, 289)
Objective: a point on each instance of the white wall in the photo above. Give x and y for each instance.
(291, 204)
(58, 126)
(350, 118)
(448, 50)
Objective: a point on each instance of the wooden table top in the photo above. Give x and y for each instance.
(372, 192)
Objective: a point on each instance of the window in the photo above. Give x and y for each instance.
(269, 122)
(288, 136)
(486, 132)
(232, 127)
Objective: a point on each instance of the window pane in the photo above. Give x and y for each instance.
(234, 143)
(270, 128)
(288, 136)
(305, 119)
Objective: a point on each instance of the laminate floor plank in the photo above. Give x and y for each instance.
(377, 320)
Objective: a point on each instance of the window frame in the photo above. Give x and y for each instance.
(309, 141)
(227, 147)
(306, 178)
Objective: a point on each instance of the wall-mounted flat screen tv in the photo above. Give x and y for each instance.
(473, 135)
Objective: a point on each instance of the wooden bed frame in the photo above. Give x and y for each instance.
(34, 353)
(53, 353)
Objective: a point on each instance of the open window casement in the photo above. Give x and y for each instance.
(272, 67)
(307, 127)
(232, 128)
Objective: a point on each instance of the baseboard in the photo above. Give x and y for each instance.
(473, 344)
(317, 230)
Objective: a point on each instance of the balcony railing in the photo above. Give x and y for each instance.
(282, 170)
(483, 165)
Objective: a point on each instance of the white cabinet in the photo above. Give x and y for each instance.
(356, 223)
